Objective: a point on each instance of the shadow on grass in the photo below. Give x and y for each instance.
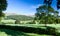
(47, 31)
(13, 33)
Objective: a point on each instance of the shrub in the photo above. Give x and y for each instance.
(17, 22)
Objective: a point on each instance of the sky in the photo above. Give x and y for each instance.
(25, 7)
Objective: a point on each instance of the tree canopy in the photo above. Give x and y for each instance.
(3, 6)
(46, 13)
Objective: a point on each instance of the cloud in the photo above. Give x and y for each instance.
(59, 12)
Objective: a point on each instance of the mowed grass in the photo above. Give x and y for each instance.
(7, 32)
(57, 26)
(36, 25)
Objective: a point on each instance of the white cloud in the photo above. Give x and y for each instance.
(59, 12)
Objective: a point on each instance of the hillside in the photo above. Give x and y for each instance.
(19, 17)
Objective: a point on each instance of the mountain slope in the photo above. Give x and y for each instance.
(19, 17)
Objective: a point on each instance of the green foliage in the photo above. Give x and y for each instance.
(17, 22)
(49, 2)
(3, 5)
(45, 15)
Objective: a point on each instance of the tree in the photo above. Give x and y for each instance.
(44, 17)
(49, 2)
(58, 4)
(56, 13)
(45, 12)
(42, 12)
(3, 5)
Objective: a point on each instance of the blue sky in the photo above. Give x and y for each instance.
(25, 7)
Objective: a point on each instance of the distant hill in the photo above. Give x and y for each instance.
(19, 17)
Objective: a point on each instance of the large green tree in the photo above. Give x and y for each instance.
(49, 2)
(3, 5)
(47, 10)
(43, 14)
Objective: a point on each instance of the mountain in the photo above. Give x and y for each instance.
(7, 14)
(19, 17)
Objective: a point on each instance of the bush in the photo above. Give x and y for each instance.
(17, 22)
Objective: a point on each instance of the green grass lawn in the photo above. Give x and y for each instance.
(36, 25)
(57, 26)
(6, 32)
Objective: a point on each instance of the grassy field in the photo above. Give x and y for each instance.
(57, 26)
(7, 32)
(13, 21)
(36, 25)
